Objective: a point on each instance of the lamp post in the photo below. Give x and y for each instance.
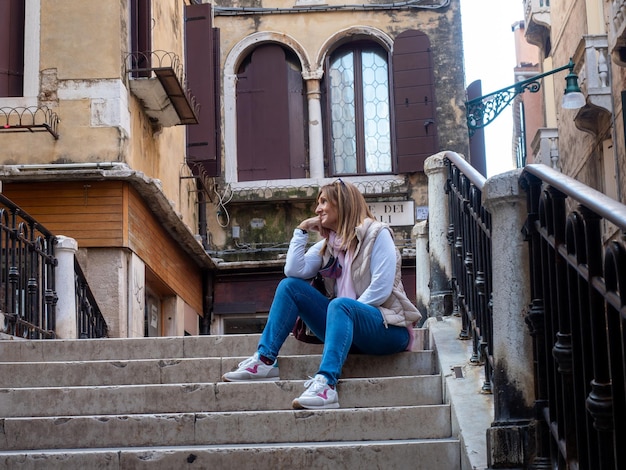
(484, 109)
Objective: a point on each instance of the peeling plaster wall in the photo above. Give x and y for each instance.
(81, 79)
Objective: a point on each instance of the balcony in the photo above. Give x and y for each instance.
(157, 79)
(537, 19)
(617, 21)
(29, 119)
(545, 147)
(592, 67)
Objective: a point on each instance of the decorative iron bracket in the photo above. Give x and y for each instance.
(484, 109)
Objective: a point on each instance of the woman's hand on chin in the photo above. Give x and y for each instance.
(314, 224)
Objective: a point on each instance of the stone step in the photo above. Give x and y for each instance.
(159, 403)
(204, 397)
(417, 454)
(141, 348)
(232, 428)
(19, 350)
(191, 370)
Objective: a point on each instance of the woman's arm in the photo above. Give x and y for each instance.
(300, 262)
(383, 270)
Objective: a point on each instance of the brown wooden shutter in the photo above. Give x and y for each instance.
(270, 118)
(414, 101)
(12, 47)
(202, 67)
(296, 121)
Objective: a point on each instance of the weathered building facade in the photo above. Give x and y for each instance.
(315, 91)
(180, 142)
(92, 146)
(588, 143)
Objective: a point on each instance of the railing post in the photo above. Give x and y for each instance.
(422, 266)
(65, 251)
(439, 249)
(513, 378)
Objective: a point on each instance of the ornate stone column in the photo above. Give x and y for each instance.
(316, 134)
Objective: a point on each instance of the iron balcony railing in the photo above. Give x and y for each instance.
(469, 235)
(577, 246)
(28, 296)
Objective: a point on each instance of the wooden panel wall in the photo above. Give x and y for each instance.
(90, 212)
(111, 214)
(156, 248)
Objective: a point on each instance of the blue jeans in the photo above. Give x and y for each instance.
(340, 323)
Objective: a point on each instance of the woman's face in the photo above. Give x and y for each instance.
(327, 212)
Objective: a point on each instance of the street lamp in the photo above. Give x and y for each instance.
(484, 109)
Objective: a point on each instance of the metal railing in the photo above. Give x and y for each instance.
(577, 320)
(469, 235)
(28, 296)
(27, 288)
(559, 376)
(90, 322)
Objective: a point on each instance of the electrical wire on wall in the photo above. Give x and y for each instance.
(222, 200)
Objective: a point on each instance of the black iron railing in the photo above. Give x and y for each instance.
(90, 321)
(27, 289)
(577, 245)
(469, 235)
(28, 296)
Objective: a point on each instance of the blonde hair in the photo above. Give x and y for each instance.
(352, 210)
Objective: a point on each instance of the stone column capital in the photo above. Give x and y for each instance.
(313, 74)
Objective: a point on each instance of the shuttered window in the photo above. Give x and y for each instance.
(271, 115)
(202, 68)
(12, 47)
(414, 101)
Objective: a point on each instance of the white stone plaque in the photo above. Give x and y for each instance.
(394, 213)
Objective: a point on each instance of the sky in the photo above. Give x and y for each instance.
(490, 57)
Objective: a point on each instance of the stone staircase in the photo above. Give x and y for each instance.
(158, 403)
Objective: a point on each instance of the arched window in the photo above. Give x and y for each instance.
(374, 127)
(359, 110)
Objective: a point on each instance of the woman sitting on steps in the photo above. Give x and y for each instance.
(368, 309)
